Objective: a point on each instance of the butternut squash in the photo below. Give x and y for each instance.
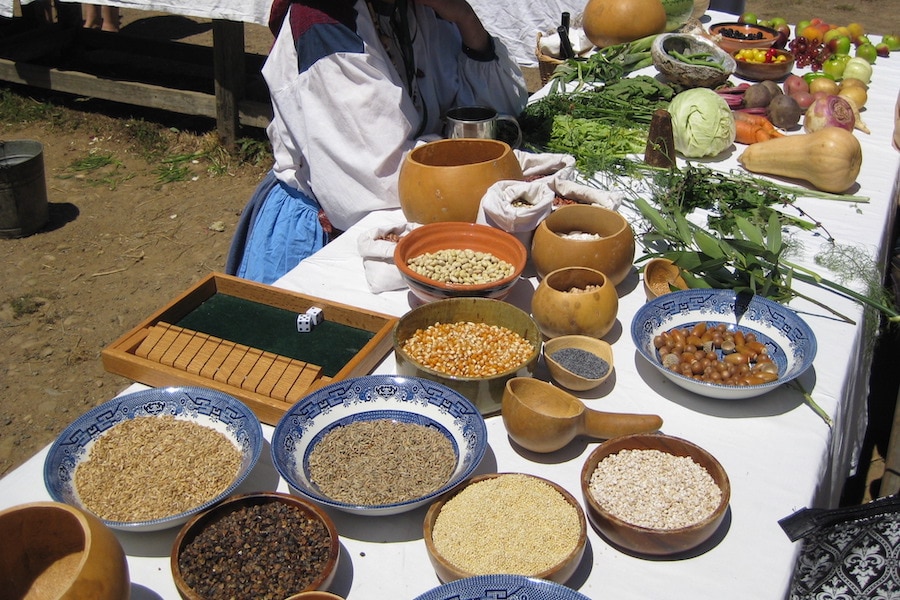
(829, 159)
(611, 22)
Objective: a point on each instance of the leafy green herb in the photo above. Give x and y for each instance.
(610, 63)
(622, 109)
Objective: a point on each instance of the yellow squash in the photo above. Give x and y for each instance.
(829, 159)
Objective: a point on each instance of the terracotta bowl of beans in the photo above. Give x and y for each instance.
(492, 341)
(450, 260)
(506, 523)
(578, 362)
(723, 344)
(654, 494)
(378, 445)
(261, 545)
(584, 235)
(152, 459)
(53, 550)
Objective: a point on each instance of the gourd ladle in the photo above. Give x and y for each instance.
(543, 418)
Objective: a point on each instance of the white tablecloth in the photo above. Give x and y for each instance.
(779, 455)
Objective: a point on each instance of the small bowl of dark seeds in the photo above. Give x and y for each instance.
(578, 362)
(267, 545)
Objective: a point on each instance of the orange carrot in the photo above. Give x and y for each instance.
(752, 128)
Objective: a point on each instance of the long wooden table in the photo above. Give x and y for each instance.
(780, 456)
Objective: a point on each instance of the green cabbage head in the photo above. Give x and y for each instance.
(702, 123)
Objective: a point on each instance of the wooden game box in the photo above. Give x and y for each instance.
(241, 337)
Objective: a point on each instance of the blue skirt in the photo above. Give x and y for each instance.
(278, 228)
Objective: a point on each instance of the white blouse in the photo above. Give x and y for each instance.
(343, 124)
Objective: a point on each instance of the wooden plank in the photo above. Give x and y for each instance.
(229, 69)
(259, 371)
(174, 351)
(273, 376)
(203, 355)
(190, 351)
(239, 374)
(252, 114)
(150, 342)
(218, 356)
(168, 337)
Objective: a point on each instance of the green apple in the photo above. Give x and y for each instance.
(840, 44)
(892, 42)
(749, 18)
(868, 52)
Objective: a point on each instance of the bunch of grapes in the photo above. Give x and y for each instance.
(808, 53)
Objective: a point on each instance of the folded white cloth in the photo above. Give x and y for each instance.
(545, 164)
(550, 43)
(586, 194)
(376, 246)
(518, 207)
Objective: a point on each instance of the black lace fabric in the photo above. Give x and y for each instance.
(848, 553)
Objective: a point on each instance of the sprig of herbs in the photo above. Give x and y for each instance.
(609, 63)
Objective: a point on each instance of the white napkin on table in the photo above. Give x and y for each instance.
(377, 250)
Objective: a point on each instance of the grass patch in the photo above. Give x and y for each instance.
(26, 305)
(22, 109)
(172, 153)
(110, 176)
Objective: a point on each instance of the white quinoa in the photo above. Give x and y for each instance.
(508, 524)
(654, 489)
(155, 467)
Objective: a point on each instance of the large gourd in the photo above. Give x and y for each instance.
(611, 22)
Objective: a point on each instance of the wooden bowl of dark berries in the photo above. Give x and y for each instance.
(732, 37)
(578, 362)
(262, 545)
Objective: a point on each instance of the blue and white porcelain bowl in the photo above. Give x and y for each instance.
(510, 587)
(789, 340)
(207, 407)
(370, 398)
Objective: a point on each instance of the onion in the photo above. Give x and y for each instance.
(829, 111)
(857, 119)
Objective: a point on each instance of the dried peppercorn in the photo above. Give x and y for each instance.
(265, 551)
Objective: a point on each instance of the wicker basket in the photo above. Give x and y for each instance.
(546, 64)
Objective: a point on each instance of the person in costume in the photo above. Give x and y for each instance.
(354, 86)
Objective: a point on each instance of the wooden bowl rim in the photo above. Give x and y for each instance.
(771, 34)
(596, 346)
(609, 215)
(436, 506)
(500, 147)
(193, 527)
(398, 343)
(464, 231)
(718, 473)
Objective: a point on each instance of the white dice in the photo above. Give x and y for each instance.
(304, 323)
(316, 313)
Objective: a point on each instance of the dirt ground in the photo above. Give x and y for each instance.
(125, 236)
